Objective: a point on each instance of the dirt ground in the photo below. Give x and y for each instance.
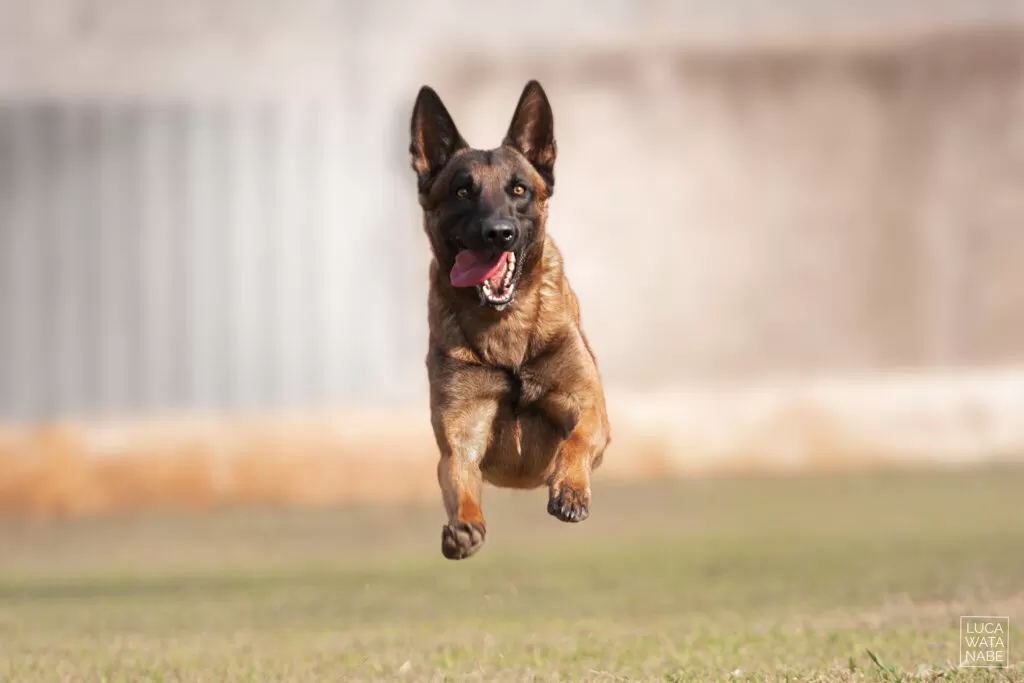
(388, 455)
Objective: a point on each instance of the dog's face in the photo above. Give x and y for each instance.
(485, 210)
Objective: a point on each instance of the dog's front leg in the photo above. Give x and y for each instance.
(462, 433)
(569, 486)
(565, 387)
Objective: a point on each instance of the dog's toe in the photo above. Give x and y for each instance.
(459, 541)
(569, 504)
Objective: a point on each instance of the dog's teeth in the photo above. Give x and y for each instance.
(512, 257)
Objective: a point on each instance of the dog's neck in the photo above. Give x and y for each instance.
(459, 323)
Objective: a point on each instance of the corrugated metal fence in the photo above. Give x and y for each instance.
(156, 257)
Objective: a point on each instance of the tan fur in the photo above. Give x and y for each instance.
(481, 436)
(515, 394)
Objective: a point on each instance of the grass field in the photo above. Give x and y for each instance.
(780, 579)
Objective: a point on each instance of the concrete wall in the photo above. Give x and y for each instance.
(742, 195)
(787, 211)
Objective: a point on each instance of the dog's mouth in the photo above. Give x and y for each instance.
(493, 276)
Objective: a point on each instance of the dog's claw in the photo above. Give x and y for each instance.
(569, 504)
(460, 541)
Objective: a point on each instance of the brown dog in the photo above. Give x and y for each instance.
(515, 395)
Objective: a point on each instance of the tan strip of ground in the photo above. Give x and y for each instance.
(828, 426)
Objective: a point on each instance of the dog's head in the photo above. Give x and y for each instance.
(485, 210)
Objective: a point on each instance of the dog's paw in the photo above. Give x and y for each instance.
(459, 541)
(569, 503)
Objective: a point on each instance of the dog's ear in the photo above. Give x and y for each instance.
(532, 131)
(435, 139)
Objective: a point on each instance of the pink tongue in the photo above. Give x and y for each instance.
(471, 268)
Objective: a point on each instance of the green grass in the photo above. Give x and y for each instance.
(858, 578)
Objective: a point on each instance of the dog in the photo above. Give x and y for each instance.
(516, 399)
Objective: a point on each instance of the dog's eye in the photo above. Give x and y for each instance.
(462, 192)
(519, 189)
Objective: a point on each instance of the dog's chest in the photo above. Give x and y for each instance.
(503, 345)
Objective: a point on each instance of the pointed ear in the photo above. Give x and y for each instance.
(435, 139)
(532, 131)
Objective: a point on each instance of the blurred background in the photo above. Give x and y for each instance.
(796, 229)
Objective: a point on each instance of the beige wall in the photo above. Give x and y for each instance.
(739, 196)
(785, 211)
(157, 49)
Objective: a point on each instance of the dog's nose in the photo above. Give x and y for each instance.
(499, 233)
